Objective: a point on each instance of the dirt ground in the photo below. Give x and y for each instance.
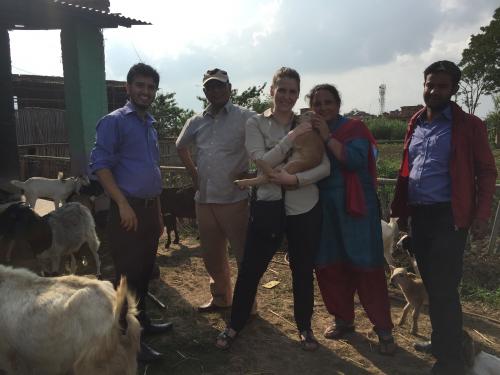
(269, 344)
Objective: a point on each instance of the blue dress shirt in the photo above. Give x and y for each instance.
(429, 159)
(128, 146)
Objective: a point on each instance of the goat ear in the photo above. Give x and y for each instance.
(392, 268)
(60, 175)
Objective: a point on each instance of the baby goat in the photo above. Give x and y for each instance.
(414, 291)
(66, 325)
(56, 189)
(53, 236)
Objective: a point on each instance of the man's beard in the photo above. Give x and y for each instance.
(141, 107)
(442, 104)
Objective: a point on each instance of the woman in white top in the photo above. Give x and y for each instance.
(269, 136)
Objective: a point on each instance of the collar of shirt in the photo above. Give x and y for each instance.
(130, 108)
(445, 115)
(228, 107)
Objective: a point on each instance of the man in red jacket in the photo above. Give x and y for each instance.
(446, 185)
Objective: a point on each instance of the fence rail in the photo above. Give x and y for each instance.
(174, 175)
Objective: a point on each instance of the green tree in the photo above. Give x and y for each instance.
(481, 64)
(493, 122)
(169, 116)
(252, 98)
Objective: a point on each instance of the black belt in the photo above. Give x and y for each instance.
(430, 208)
(142, 202)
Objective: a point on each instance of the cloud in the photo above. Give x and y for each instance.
(359, 44)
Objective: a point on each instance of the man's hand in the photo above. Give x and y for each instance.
(194, 178)
(479, 229)
(127, 216)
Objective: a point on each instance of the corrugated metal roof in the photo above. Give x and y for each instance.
(122, 20)
(54, 14)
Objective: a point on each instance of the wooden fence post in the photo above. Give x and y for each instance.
(492, 245)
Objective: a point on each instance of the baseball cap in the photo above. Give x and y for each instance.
(218, 74)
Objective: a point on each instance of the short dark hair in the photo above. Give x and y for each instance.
(444, 66)
(285, 72)
(327, 87)
(142, 69)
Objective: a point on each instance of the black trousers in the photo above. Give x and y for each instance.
(134, 253)
(303, 235)
(439, 249)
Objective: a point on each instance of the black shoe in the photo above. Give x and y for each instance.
(423, 347)
(153, 328)
(147, 354)
(211, 307)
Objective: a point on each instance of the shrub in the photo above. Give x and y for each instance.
(387, 129)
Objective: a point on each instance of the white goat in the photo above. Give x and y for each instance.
(390, 231)
(53, 236)
(56, 189)
(66, 325)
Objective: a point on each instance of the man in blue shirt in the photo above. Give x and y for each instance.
(446, 185)
(126, 161)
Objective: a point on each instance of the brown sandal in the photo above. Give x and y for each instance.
(337, 331)
(308, 341)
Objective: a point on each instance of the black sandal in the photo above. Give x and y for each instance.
(386, 345)
(308, 341)
(226, 338)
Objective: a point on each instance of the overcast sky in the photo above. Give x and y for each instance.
(356, 45)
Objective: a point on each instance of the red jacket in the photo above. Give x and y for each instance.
(472, 170)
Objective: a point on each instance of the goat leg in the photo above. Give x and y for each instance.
(406, 309)
(414, 325)
(176, 233)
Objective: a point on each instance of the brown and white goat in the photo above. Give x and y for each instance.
(415, 294)
(66, 325)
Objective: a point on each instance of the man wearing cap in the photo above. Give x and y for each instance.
(446, 185)
(126, 161)
(221, 208)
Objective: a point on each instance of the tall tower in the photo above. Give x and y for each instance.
(381, 98)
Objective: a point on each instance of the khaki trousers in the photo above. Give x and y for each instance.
(219, 224)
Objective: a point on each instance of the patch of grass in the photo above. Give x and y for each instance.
(384, 128)
(471, 292)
